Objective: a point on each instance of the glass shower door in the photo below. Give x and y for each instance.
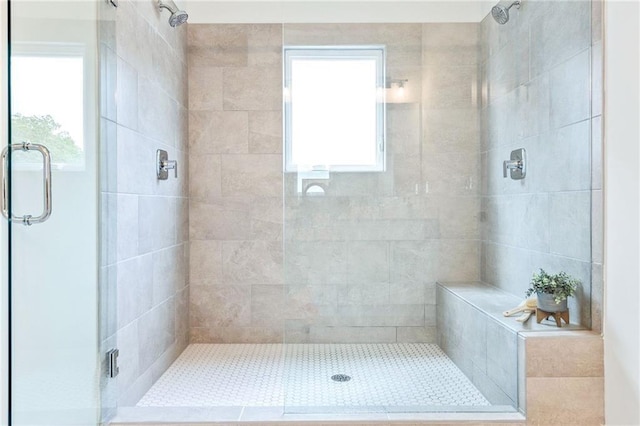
(49, 199)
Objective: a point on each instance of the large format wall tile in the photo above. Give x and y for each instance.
(267, 305)
(254, 174)
(134, 288)
(205, 176)
(450, 87)
(584, 407)
(570, 88)
(541, 91)
(362, 261)
(252, 262)
(582, 356)
(127, 110)
(156, 333)
(413, 262)
(145, 70)
(156, 223)
(220, 306)
(559, 30)
(156, 112)
(315, 262)
(205, 88)
(265, 132)
(253, 88)
(218, 45)
(219, 132)
(570, 227)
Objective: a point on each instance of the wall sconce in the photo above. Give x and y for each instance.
(399, 83)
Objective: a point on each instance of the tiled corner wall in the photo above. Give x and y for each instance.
(145, 221)
(360, 263)
(536, 94)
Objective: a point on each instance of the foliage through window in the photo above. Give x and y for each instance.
(49, 108)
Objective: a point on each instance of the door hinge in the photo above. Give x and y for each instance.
(112, 359)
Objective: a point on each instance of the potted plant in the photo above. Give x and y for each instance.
(552, 290)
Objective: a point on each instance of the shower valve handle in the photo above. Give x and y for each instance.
(509, 165)
(163, 165)
(170, 164)
(516, 165)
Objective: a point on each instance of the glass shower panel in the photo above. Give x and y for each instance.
(357, 240)
(108, 315)
(4, 228)
(52, 170)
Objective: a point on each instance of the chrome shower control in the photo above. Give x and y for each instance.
(516, 167)
(163, 165)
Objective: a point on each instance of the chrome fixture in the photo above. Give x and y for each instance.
(517, 165)
(340, 378)
(398, 82)
(163, 165)
(178, 17)
(112, 360)
(500, 12)
(27, 219)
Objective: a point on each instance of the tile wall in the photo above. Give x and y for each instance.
(536, 94)
(235, 138)
(483, 348)
(564, 378)
(145, 221)
(360, 263)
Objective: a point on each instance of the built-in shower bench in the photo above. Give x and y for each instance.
(492, 302)
(502, 356)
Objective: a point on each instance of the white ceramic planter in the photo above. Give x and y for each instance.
(547, 303)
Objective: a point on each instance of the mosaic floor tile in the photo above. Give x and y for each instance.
(300, 375)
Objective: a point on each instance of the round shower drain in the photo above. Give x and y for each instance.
(340, 378)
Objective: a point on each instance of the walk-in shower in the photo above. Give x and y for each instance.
(396, 274)
(340, 241)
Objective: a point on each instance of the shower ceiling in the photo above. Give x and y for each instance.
(308, 11)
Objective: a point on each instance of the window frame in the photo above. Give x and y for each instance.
(376, 52)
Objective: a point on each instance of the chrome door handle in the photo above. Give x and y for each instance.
(27, 219)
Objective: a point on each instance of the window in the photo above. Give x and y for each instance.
(334, 108)
(48, 106)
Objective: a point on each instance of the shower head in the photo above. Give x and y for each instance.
(178, 17)
(500, 12)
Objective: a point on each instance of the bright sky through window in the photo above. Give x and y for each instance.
(50, 85)
(334, 114)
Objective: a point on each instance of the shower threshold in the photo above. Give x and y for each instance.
(182, 416)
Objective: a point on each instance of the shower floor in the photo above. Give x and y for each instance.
(383, 377)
